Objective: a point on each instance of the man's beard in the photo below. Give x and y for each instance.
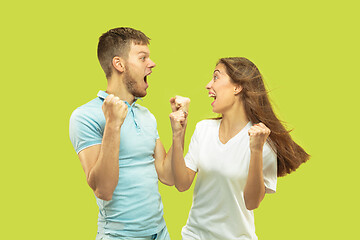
(132, 85)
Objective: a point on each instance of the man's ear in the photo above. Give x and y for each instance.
(237, 89)
(118, 64)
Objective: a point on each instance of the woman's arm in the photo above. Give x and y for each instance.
(254, 191)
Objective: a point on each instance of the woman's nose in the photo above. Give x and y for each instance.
(208, 86)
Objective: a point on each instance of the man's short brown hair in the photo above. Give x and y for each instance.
(117, 42)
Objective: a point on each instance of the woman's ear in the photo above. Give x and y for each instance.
(118, 64)
(237, 89)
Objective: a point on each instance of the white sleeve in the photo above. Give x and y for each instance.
(269, 169)
(191, 158)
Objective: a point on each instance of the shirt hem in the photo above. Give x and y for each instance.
(132, 233)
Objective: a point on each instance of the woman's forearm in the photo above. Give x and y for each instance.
(254, 191)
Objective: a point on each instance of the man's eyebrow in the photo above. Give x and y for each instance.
(142, 52)
(216, 71)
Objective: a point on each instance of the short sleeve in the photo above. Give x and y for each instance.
(84, 130)
(157, 134)
(269, 169)
(191, 158)
(156, 130)
(153, 122)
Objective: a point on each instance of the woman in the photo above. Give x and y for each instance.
(237, 157)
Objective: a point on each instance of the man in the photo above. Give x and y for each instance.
(118, 144)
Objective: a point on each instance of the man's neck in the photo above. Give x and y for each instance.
(118, 89)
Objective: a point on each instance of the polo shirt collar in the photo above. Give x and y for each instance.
(102, 94)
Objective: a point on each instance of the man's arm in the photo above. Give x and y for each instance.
(101, 162)
(183, 176)
(163, 160)
(163, 164)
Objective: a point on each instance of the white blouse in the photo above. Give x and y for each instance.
(218, 210)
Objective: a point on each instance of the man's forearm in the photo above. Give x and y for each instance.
(178, 164)
(103, 177)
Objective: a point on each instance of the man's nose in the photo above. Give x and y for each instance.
(152, 64)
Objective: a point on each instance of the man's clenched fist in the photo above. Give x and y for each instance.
(115, 110)
(180, 103)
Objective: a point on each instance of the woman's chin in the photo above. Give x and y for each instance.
(215, 110)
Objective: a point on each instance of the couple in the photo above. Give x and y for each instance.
(237, 157)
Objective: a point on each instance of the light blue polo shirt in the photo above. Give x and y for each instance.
(136, 208)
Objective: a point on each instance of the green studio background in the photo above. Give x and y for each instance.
(307, 52)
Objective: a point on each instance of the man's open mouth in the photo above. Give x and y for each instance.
(146, 75)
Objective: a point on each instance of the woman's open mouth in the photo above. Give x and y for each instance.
(213, 95)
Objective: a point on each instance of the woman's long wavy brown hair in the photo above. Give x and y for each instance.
(258, 109)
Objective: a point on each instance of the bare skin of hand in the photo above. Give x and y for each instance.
(254, 190)
(183, 177)
(101, 162)
(180, 103)
(115, 110)
(258, 134)
(178, 121)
